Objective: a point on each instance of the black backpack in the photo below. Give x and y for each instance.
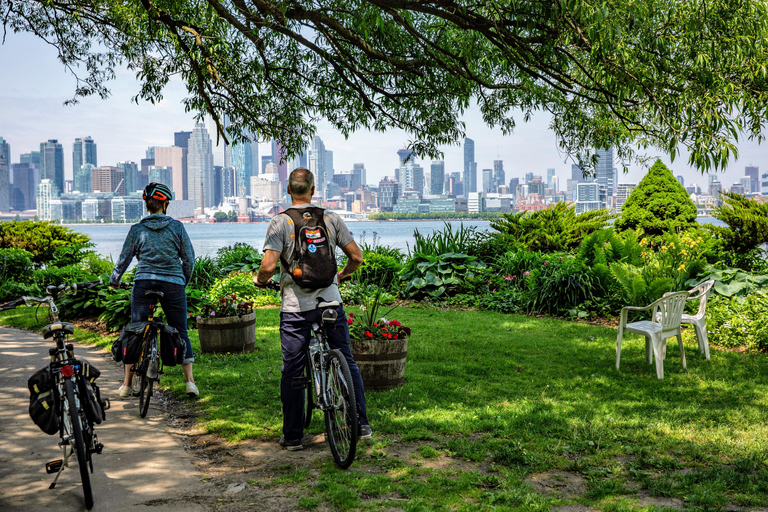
(313, 264)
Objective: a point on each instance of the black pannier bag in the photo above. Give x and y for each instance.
(90, 395)
(42, 400)
(172, 347)
(130, 342)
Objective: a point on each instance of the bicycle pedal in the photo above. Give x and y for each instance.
(106, 404)
(300, 382)
(98, 448)
(53, 467)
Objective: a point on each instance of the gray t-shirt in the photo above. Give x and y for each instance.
(296, 299)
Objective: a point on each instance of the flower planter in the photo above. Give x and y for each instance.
(227, 334)
(381, 362)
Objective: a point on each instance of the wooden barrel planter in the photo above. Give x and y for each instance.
(227, 334)
(381, 362)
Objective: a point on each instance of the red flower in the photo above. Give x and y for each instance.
(350, 321)
(395, 323)
(375, 325)
(368, 334)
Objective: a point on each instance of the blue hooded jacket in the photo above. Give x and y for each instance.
(163, 249)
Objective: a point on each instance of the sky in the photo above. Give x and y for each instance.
(34, 86)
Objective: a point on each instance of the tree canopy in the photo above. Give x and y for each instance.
(663, 74)
(659, 204)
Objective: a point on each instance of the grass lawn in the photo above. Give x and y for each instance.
(516, 396)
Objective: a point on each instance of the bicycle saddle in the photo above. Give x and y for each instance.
(50, 329)
(157, 293)
(322, 303)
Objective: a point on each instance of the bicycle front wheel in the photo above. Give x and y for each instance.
(77, 436)
(309, 404)
(341, 410)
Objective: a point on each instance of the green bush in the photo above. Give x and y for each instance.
(62, 275)
(11, 290)
(71, 254)
(730, 282)
(445, 241)
(446, 274)
(241, 283)
(559, 284)
(205, 273)
(15, 265)
(747, 220)
(378, 269)
(240, 257)
(739, 321)
(116, 308)
(358, 293)
(40, 238)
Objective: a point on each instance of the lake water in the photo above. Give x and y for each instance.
(208, 238)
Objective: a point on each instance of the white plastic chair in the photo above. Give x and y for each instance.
(666, 315)
(699, 321)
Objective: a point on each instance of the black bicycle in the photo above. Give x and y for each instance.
(68, 393)
(329, 386)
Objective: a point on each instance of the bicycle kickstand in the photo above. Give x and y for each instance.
(61, 465)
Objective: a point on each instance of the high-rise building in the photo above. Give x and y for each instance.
(229, 182)
(162, 175)
(200, 184)
(176, 158)
(5, 150)
(604, 175)
(680, 180)
(576, 173)
(108, 179)
(5, 183)
(437, 177)
(623, 190)
(265, 161)
(499, 177)
(181, 140)
(150, 152)
(360, 176)
(318, 163)
(83, 152)
(389, 191)
(746, 184)
(45, 193)
(513, 184)
(280, 157)
(83, 178)
(412, 177)
(242, 163)
(487, 180)
(131, 170)
(555, 184)
(470, 167)
(218, 195)
(144, 166)
(754, 174)
(25, 179)
(550, 175)
(52, 164)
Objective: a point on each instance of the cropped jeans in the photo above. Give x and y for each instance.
(174, 303)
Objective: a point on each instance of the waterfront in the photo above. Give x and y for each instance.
(208, 238)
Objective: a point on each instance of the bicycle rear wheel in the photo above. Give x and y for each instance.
(80, 449)
(145, 394)
(341, 410)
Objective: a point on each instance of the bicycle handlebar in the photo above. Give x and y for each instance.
(11, 305)
(53, 291)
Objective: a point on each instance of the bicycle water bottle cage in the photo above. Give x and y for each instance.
(330, 316)
(50, 329)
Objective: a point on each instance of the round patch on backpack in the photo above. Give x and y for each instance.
(312, 248)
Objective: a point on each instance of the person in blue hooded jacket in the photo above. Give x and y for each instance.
(166, 260)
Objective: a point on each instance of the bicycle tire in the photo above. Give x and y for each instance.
(341, 410)
(309, 404)
(80, 449)
(145, 394)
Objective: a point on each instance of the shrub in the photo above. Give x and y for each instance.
(205, 273)
(445, 241)
(15, 265)
(738, 321)
(378, 269)
(40, 238)
(11, 290)
(241, 284)
(240, 257)
(358, 293)
(62, 275)
(730, 282)
(659, 204)
(559, 284)
(554, 229)
(71, 254)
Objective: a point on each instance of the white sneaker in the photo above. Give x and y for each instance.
(192, 390)
(125, 391)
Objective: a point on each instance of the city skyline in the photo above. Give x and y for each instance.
(33, 112)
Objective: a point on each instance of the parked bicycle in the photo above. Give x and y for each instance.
(329, 386)
(138, 346)
(65, 398)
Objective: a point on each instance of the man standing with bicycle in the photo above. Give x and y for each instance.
(299, 303)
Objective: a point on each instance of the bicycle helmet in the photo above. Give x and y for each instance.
(158, 191)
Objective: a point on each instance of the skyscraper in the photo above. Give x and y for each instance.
(404, 156)
(754, 174)
(6, 190)
(242, 163)
(358, 170)
(200, 168)
(680, 180)
(52, 165)
(162, 175)
(25, 179)
(437, 177)
(176, 158)
(576, 173)
(317, 163)
(604, 174)
(550, 175)
(108, 179)
(131, 170)
(470, 167)
(499, 177)
(281, 160)
(412, 177)
(181, 139)
(5, 150)
(45, 193)
(487, 180)
(83, 178)
(83, 152)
